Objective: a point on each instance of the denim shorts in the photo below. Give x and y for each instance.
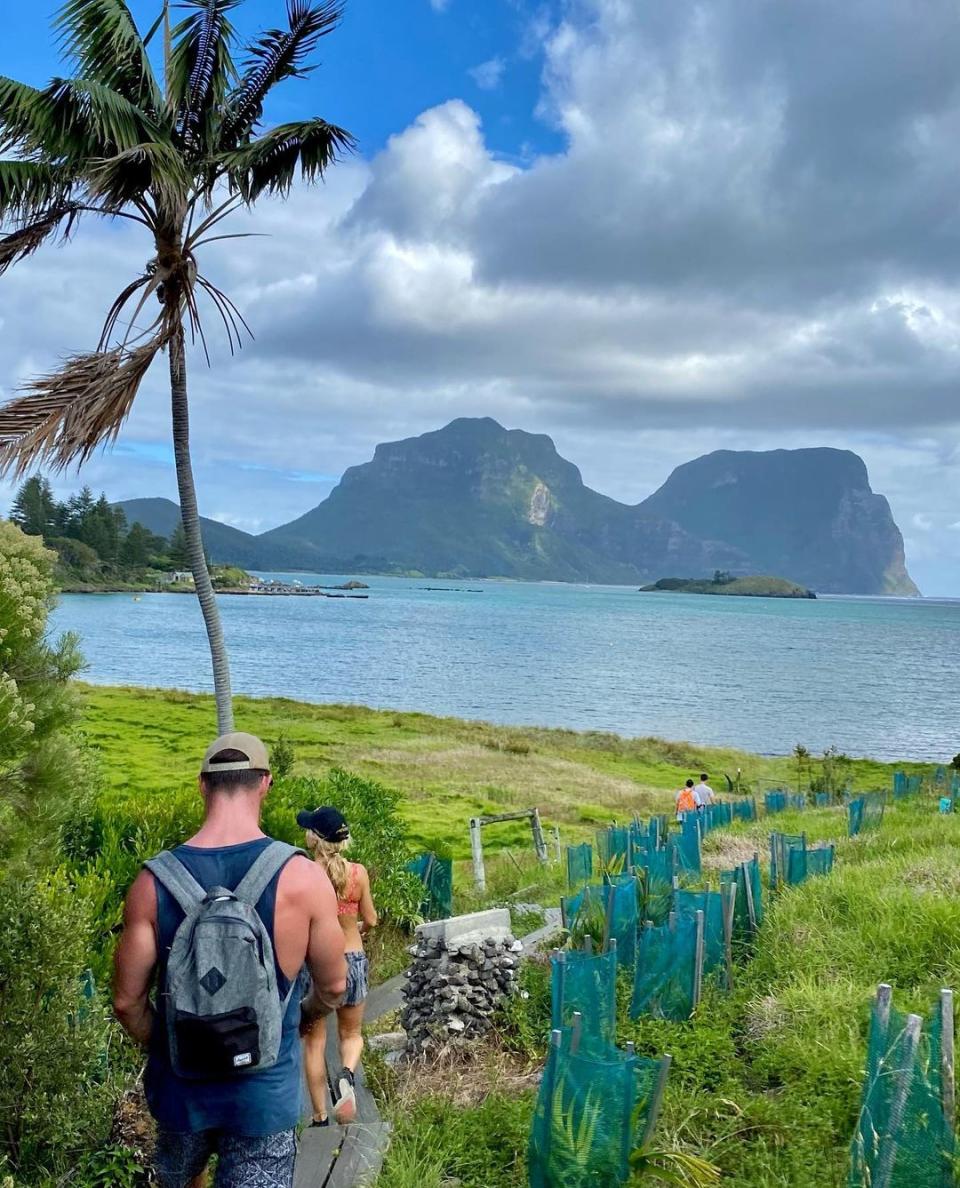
(244, 1161)
(358, 970)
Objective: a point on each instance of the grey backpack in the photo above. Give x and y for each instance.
(223, 1007)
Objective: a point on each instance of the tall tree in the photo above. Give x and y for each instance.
(34, 508)
(177, 155)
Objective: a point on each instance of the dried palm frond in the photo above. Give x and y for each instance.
(61, 418)
(26, 240)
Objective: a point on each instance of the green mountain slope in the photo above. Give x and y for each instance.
(807, 513)
(224, 545)
(476, 500)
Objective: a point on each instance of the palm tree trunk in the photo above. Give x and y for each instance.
(190, 518)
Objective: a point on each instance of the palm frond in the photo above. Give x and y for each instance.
(107, 118)
(270, 162)
(151, 166)
(276, 55)
(70, 120)
(102, 39)
(19, 244)
(201, 68)
(30, 188)
(63, 417)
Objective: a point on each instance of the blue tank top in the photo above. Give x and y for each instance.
(258, 1103)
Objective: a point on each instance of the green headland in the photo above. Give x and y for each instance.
(754, 586)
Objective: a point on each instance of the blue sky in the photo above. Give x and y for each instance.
(388, 61)
(649, 228)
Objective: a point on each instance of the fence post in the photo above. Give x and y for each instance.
(948, 1083)
(653, 1115)
(698, 962)
(556, 842)
(539, 844)
(476, 848)
(884, 993)
(608, 915)
(748, 889)
(904, 1074)
(728, 897)
(576, 1033)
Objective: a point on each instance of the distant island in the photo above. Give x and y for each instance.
(476, 500)
(725, 583)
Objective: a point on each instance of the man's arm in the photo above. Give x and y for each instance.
(136, 959)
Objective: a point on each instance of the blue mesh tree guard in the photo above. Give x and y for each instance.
(685, 849)
(589, 1112)
(775, 802)
(780, 846)
(668, 969)
(822, 799)
(940, 777)
(802, 863)
(586, 983)
(436, 874)
(688, 903)
(904, 785)
(745, 810)
(613, 850)
(579, 864)
(796, 800)
(865, 812)
(749, 903)
(905, 1132)
(655, 889)
(621, 905)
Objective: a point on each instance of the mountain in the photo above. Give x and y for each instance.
(474, 499)
(224, 545)
(809, 514)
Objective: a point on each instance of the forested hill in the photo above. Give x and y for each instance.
(474, 499)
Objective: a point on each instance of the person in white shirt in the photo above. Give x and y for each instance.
(703, 792)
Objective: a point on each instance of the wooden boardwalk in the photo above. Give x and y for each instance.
(352, 1156)
(348, 1156)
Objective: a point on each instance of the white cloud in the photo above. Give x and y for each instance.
(747, 242)
(488, 75)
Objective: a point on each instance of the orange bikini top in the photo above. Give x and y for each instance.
(350, 906)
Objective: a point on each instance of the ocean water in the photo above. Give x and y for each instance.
(871, 676)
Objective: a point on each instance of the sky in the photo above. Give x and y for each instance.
(649, 228)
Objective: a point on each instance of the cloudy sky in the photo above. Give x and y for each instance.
(650, 228)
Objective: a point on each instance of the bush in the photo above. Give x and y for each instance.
(41, 767)
(55, 1095)
(378, 834)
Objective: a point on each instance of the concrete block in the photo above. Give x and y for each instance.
(472, 929)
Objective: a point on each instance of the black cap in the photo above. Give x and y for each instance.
(327, 823)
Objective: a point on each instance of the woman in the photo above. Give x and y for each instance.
(328, 836)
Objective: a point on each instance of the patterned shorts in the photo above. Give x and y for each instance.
(244, 1161)
(358, 970)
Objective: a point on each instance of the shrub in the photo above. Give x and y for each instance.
(55, 1096)
(378, 834)
(41, 767)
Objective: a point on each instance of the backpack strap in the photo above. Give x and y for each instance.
(266, 866)
(181, 884)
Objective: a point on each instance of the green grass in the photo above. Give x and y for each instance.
(766, 1080)
(447, 769)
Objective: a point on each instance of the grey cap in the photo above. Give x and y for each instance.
(257, 758)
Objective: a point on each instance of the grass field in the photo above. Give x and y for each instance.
(448, 769)
(765, 1080)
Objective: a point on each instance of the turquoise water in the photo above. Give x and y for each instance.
(871, 676)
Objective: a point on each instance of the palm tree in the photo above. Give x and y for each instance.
(176, 154)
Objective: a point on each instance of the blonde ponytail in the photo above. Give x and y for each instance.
(330, 857)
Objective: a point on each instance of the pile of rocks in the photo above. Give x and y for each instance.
(462, 969)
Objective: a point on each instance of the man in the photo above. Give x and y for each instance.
(704, 792)
(247, 1116)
